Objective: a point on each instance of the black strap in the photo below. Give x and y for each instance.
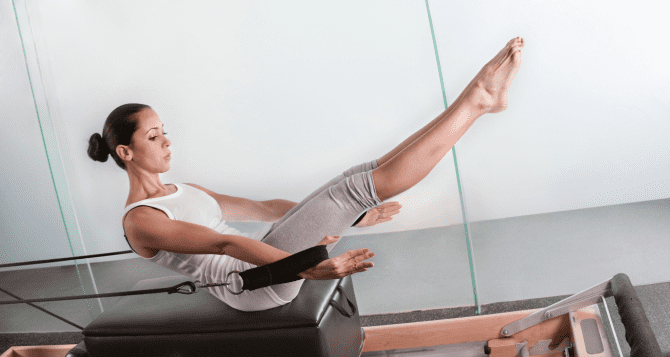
(339, 308)
(43, 310)
(63, 259)
(279, 272)
(171, 290)
(284, 270)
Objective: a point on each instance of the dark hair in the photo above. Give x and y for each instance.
(119, 128)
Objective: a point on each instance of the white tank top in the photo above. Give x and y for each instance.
(192, 205)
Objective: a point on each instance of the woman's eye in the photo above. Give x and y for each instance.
(154, 137)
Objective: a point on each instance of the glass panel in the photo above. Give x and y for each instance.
(261, 100)
(37, 220)
(568, 186)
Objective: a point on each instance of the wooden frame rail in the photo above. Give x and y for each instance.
(460, 330)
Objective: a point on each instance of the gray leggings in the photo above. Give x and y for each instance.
(328, 211)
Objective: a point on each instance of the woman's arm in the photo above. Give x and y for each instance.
(151, 228)
(242, 209)
(276, 209)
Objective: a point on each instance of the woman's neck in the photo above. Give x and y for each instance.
(146, 186)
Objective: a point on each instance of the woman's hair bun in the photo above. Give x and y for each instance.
(97, 148)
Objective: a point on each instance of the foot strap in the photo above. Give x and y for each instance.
(285, 270)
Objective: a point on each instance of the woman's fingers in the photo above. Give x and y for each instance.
(329, 240)
(348, 263)
(354, 260)
(391, 204)
(362, 254)
(358, 254)
(389, 209)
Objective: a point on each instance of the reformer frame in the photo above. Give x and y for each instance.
(574, 326)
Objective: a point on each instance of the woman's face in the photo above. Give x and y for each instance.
(149, 145)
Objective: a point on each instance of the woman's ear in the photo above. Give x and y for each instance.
(124, 152)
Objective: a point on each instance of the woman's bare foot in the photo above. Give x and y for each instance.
(488, 91)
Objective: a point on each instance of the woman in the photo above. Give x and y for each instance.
(182, 226)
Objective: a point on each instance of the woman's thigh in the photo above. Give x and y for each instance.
(367, 166)
(329, 211)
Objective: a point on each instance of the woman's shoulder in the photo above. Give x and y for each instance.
(141, 217)
(134, 198)
(211, 193)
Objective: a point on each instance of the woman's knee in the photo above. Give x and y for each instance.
(362, 189)
(381, 184)
(366, 166)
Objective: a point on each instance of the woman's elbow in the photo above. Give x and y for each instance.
(223, 244)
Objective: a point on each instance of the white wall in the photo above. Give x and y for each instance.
(587, 123)
(270, 99)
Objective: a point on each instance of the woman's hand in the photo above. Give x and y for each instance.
(329, 240)
(380, 214)
(348, 263)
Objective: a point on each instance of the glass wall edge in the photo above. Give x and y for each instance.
(473, 272)
(53, 152)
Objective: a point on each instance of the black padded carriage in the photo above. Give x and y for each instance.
(322, 320)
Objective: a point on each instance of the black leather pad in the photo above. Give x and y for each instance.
(201, 325)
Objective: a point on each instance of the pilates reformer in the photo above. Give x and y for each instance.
(574, 326)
